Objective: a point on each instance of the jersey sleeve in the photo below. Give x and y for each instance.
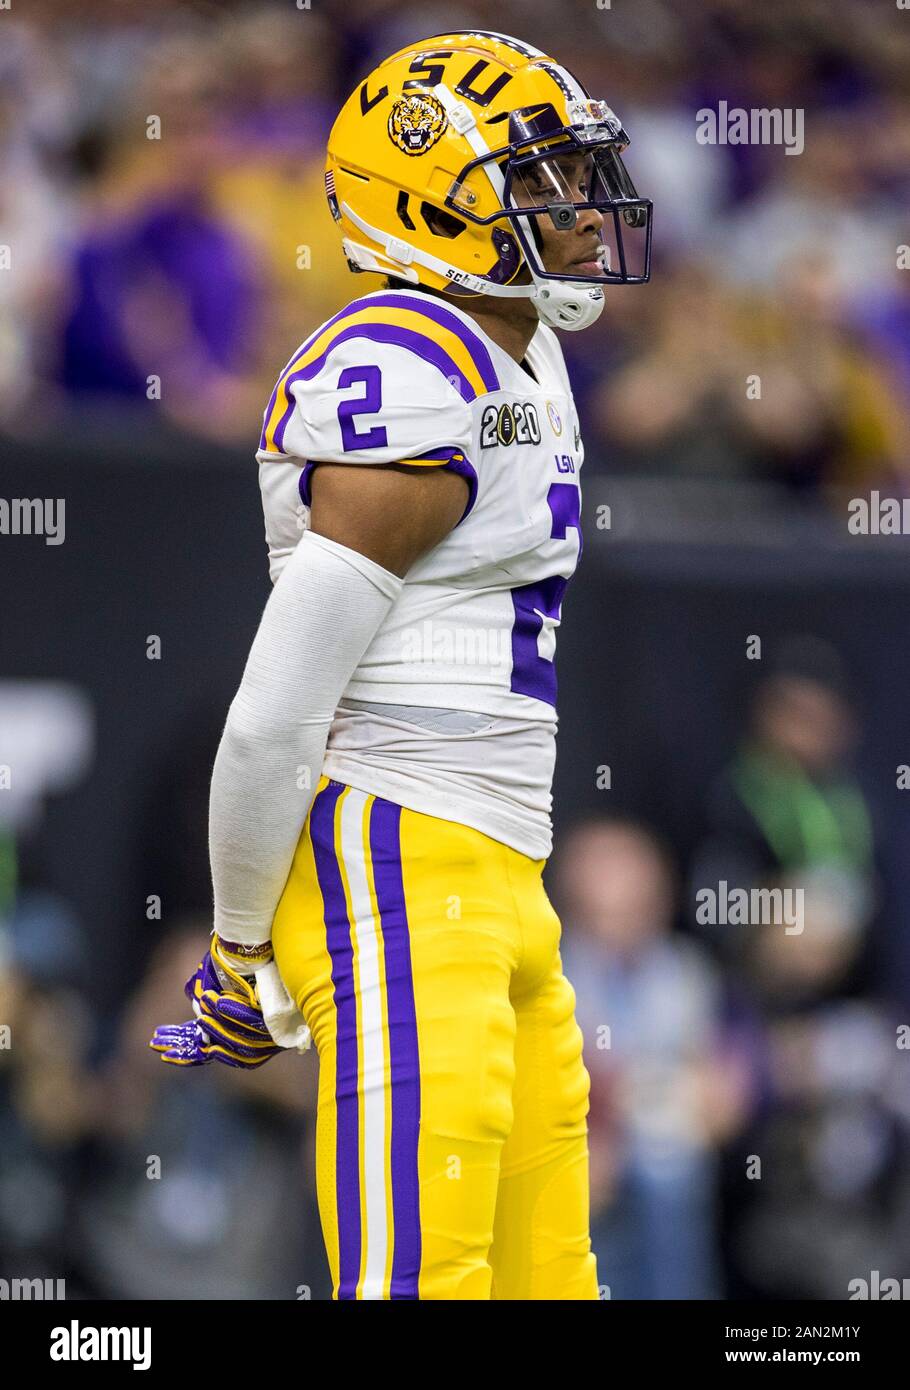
(367, 402)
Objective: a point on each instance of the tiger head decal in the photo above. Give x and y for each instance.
(416, 122)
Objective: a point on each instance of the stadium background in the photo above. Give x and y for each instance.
(687, 756)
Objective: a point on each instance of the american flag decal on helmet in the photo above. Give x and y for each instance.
(330, 194)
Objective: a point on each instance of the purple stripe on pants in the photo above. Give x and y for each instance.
(347, 1134)
(385, 850)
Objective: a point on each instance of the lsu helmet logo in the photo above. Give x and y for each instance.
(416, 122)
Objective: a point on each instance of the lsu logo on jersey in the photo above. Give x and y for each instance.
(416, 122)
(509, 424)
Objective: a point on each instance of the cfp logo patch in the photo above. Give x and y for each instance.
(416, 123)
(509, 424)
(555, 418)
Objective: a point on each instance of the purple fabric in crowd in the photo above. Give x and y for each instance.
(203, 264)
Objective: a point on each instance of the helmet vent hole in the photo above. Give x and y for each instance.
(441, 223)
(402, 209)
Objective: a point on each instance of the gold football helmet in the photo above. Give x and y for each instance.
(443, 159)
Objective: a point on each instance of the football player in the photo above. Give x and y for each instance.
(380, 802)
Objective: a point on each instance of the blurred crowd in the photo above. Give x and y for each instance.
(183, 270)
(750, 1117)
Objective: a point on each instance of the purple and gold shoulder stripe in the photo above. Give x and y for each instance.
(425, 329)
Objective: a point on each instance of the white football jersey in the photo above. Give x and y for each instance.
(403, 376)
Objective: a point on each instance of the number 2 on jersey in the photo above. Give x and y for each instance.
(370, 403)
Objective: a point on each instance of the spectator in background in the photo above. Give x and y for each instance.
(667, 1085)
(161, 287)
(36, 206)
(823, 200)
(674, 406)
(282, 72)
(117, 1177)
(788, 811)
(201, 249)
(50, 1101)
(817, 1189)
(199, 1192)
(190, 257)
(719, 383)
(882, 325)
(830, 411)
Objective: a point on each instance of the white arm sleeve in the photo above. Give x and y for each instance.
(319, 620)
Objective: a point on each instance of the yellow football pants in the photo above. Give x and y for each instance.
(451, 1141)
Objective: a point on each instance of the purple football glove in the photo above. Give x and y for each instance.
(228, 1027)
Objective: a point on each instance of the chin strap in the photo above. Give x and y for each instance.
(400, 255)
(571, 307)
(559, 303)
